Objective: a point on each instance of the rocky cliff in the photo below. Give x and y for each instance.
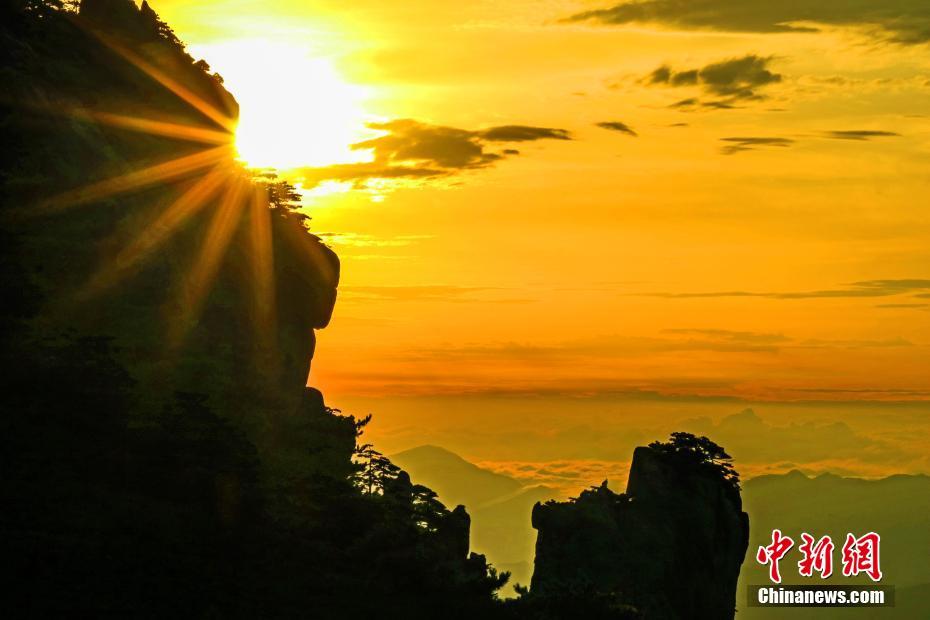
(161, 454)
(671, 545)
(104, 152)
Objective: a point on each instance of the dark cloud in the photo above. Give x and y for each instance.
(738, 76)
(618, 126)
(739, 144)
(901, 21)
(693, 103)
(522, 133)
(748, 143)
(412, 141)
(719, 105)
(686, 103)
(865, 288)
(859, 134)
(733, 79)
(414, 150)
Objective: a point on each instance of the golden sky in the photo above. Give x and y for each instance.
(577, 207)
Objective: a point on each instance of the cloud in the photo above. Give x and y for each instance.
(564, 477)
(411, 141)
(686, 103)
(735, 78)
(901, 21)
(719, 105)
(731, 336)
(740, 144)
(369, 241)
(870, 392)
(901, 306)
(607, 350)
(859, 134)
(618, 126)
(819, 343)
(522, 133)
(865, 288)
(359, 173)
(428, 292)
(692, 103)
(409, 149)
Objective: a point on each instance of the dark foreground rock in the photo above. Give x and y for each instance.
(671, 546)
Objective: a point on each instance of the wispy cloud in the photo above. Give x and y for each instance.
(369, 241)
(865, 288)
(859, 134)
(430, 292)
(748, 143)
(900, 21)
(618, 126)
(903, 306)
(731, 336)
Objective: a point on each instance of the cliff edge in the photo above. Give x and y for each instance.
(161, 453)
(671, 546)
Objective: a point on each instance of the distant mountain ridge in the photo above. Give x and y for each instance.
(895, 506)
(455, 480)
(500, 506)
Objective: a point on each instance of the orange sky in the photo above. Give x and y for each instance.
(762, 237)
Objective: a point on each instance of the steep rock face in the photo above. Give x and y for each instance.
(223, 304)
(672, 545)
(161, 455)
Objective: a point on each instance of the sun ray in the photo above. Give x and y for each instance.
(202, 274)
(260, 241)
(153, 235)
(157, 128)
(190, 97)
(133, 180)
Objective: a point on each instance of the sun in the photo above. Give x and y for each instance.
(295, 110)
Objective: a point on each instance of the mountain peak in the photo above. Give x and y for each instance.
(431, 451)
(456, 480)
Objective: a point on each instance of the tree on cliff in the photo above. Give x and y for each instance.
(158, 27)
(671, 546)
(375, 472)
(148, 480)
(702, 453)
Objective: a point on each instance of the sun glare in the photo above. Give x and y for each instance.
(295, 110)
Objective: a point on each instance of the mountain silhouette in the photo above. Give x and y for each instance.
(895, 506)
(671, 545)
(455, 480)
(161, 453)
(500, 506)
